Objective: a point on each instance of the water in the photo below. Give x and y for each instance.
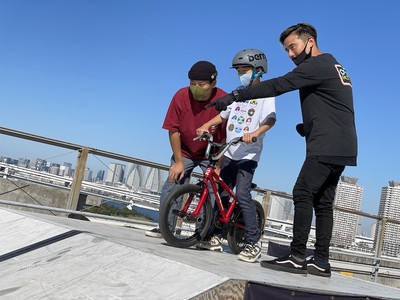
(152, 214)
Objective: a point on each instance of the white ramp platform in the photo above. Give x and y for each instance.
(47, 257)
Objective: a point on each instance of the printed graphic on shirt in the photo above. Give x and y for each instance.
(242, 117)
(253, 103)
(344, 77)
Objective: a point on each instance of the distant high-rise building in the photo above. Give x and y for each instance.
(54, 169)
(136, 176)
(10, 161)
(389, 206)
(154, 180)
(87, 175)
(100, 176)
(66, 169)
(23, 162)
(373, 230)
(345, 225)
(38, 164)
(115, 173)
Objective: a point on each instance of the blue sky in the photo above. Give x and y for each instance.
(101, 73)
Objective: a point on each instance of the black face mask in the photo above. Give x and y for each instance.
(302, 56)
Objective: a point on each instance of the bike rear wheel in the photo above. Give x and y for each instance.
(178, 226)
(236, 234)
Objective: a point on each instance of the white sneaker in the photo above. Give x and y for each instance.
(155, 232)
(213, 244)
(250, 253)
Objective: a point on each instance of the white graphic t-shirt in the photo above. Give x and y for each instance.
(246, 117)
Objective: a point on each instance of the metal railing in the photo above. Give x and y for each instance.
(77, 183)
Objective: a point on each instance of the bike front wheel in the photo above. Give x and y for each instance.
(178, 224)
(236, 233)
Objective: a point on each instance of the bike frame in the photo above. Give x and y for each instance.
(211, 179)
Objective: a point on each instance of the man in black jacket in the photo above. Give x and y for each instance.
(328, 126)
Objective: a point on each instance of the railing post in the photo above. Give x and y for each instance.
(266, 203)
(78, 178)
(378, 248)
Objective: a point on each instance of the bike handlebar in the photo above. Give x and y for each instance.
(208, 136)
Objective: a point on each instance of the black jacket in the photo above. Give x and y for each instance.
(326, 103)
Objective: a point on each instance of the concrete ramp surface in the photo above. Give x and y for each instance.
(48, 257)
(75, 265)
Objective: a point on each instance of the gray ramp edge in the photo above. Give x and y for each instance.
(87, 267)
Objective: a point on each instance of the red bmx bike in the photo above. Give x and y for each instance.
(187, 213)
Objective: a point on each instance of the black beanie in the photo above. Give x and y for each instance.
(203, 70)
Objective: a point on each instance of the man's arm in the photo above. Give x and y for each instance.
(176, 171)
(302, 76)
(213, 122)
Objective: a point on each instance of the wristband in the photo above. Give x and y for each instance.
(236, 95)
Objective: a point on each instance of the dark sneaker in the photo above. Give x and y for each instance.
(213, 244)
(316, 269)
(156, 233)
(250, 253)
(287, 264)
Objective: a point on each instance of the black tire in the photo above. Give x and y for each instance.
(184, 231)
(236, 236)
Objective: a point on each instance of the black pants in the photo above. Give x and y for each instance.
(314, 189)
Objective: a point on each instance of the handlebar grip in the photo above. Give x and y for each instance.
(211, 104)
(253, 139)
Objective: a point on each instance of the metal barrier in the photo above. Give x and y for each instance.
(76, 185)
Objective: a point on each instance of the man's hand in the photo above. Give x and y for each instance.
(176, 172)
(201, 130)
(300, 129)
(222, 103)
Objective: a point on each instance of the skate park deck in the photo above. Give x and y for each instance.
(50, 257)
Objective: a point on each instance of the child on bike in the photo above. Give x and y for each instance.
(249, 119)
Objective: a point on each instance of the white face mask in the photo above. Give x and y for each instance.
(245, 79)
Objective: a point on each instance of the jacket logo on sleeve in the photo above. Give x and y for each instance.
(344, 77)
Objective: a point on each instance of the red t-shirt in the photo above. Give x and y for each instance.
(185, 115)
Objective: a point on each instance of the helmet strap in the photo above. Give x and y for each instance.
(254, 75)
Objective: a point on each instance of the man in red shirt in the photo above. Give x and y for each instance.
(185, 114)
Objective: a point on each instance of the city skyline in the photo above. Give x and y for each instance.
(106, 169)
(148, 178)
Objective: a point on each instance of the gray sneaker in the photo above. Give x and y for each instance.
(213, 244)
(250, 253)
(155, 232)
